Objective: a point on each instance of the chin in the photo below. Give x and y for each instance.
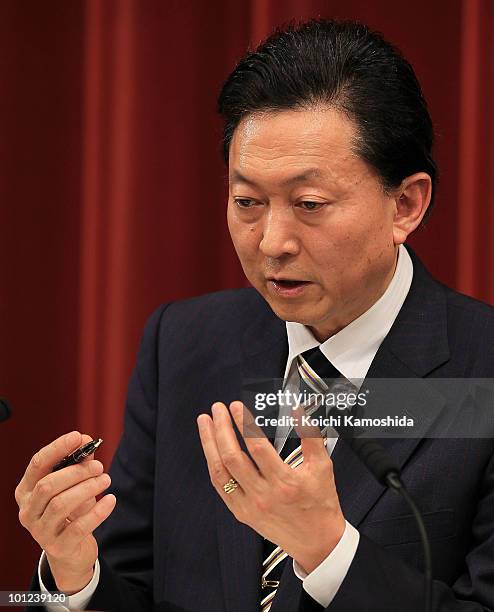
(292, 312)
(281, 311)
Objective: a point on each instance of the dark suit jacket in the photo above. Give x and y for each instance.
(172, 545)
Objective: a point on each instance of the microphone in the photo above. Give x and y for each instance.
(370, 452)
(376, 460)
(5, 409)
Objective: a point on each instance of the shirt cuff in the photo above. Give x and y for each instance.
(77, 601)
(323, 583)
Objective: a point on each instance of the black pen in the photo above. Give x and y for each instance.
(78, 455)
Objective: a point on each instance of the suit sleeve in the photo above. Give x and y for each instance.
(125, 539)
(379, 580)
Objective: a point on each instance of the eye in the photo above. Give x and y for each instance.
(244, 202)
(310, 206)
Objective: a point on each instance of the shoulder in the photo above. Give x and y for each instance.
(228, 307)
(462, 310)
(461, 303)
(469, 313)
(437, 323)
(470, 325)
(209, 319)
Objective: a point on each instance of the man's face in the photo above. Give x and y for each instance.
(308, 218)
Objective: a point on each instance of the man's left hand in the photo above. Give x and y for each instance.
(296, 508)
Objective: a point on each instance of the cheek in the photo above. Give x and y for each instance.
(234, 227)
(352, 247)
(367, 250)
(243, 235)
(366, 230)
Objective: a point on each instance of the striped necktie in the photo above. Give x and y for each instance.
(312, 367)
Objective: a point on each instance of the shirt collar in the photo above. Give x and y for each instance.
(353, 348)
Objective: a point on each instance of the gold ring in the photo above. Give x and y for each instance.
(230, 486)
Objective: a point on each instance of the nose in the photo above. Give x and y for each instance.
(279, 237)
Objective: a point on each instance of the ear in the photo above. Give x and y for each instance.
(412, 200)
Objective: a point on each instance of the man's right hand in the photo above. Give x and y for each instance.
(60, 510)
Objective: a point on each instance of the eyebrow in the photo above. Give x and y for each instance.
(310, 173)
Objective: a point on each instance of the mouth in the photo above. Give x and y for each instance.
(287, 287)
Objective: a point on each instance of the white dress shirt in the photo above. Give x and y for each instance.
(351, 351)
(79, 600)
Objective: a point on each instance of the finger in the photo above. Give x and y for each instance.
(43, 461)
(60, 507)
(237, 463)
(85, 440)
(312, 442)
(82, 509)
(260, 448)
(217, 471)
(55, 483)
(83, 526)
(87, 505)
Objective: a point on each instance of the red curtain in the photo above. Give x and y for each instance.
(475, 269)
(113, 191)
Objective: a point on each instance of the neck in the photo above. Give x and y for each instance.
(332, 326)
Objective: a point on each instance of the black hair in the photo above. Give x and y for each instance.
(351, 68)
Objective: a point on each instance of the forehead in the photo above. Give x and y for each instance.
(314, 142)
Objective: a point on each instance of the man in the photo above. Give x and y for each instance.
(328, 144)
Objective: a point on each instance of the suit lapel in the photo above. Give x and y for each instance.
(416, 345)
(357, 501)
